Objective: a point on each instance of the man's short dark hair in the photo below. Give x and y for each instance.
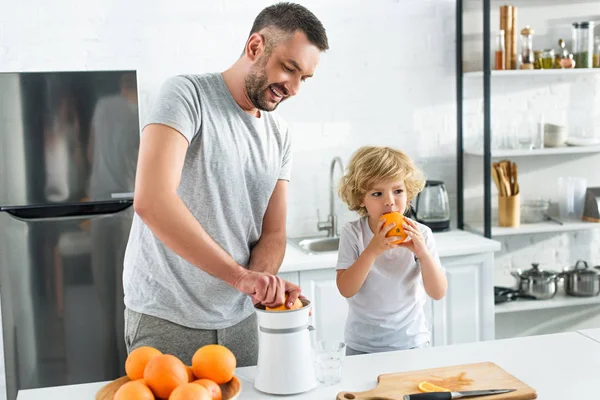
(289, 18)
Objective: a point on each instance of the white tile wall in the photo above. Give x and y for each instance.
(388, 78)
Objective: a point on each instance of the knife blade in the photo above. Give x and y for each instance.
(455, 395)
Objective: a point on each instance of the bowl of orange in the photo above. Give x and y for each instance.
(152, 375)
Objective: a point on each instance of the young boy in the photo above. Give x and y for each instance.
(386, 284)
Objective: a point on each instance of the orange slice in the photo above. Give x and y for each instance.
(427, 387)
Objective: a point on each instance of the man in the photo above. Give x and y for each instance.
(210, 197)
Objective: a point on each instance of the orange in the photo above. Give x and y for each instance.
(214, 362)
(213, 388)
(297, 304)
(191, 376)
(137, 360)
(134, 390)
(164, 373)
(190, 391)
(397, 230)
(427, 387)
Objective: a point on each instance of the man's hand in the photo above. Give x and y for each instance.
(267, 289)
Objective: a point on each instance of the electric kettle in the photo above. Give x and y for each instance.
(432, 206)
(285, 363)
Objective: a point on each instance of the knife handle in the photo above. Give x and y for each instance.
(429, 396)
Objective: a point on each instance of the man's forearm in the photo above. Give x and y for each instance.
(267, 254)
(173, 224)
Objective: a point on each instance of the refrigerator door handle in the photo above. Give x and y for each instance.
(64, 211)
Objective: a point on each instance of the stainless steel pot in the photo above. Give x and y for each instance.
(536, 282)
(581, 281)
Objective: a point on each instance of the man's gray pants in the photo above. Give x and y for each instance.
(182, 342)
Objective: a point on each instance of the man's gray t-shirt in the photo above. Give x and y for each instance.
(231, 167)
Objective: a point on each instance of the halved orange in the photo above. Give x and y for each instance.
(427, 387)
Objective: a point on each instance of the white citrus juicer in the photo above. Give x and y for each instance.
(285, 361)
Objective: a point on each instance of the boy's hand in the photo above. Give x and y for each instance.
(380, 243)
(415, 241)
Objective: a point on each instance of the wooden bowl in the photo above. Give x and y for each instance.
(231, 390)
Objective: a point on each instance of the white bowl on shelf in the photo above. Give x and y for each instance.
(554, 135)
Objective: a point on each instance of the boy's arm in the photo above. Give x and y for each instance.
(349, 281)
(434, 279)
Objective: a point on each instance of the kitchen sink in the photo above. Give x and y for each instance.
(314, 245)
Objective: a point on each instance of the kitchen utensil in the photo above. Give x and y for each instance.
(501, 178)
(496, 177)
(285, 358)
(514, 178)
(477, 376)
(455, 395)
(504, 294)
(432, 206)
(231, 390)
(549, 218)
(504, 176)
(537, 282)
(581, 281)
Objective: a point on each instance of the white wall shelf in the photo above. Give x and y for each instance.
(537, 152)
(542, 227)
(536, 72)
(558, 301)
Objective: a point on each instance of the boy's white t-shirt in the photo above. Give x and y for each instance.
(388, 312)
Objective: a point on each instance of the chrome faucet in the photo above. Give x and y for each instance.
(331, 225)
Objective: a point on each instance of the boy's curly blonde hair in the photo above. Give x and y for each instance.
(370, 165)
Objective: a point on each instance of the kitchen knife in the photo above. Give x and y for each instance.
(455, 395)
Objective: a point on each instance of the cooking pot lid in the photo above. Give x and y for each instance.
(581, 268)
(536, 272)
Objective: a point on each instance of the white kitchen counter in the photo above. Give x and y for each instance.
(449, 244)
(560, 366)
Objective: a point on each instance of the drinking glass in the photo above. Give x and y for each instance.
(328, 360)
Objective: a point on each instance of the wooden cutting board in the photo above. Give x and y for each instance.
(486, 375)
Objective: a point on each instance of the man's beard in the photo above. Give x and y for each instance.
(257, 86)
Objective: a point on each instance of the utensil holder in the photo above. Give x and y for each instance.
(509, 210)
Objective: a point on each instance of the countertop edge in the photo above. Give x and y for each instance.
(450, 244)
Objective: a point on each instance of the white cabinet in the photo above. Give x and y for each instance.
(292, 277)
(330, 308)
(466, 313)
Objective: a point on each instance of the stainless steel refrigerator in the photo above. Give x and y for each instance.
(68, 151)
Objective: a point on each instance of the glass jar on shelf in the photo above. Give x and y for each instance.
(583, 43)
(597, 52)
(547, 59)
(500, 62)
(561, 53)
(527, 54)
